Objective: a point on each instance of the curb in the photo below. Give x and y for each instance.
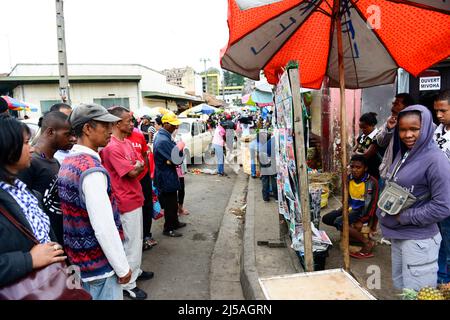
(249, 274)
(224, 276)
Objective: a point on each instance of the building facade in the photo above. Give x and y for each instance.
(181, 77)
(211, 82)
(131, 86)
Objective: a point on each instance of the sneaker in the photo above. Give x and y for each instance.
(172, 234)
(135, 294)
(146, 275)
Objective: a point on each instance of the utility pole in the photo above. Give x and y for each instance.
(62, 57)
(205, 60)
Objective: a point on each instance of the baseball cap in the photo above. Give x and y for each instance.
(86, 112)
(171, 118)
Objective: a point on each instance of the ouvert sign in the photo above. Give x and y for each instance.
(429, 83)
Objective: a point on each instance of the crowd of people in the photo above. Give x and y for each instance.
(411, 154)
(86, 189)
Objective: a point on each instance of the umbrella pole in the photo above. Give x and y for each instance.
(344, 160)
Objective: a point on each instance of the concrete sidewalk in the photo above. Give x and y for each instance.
(264, 251)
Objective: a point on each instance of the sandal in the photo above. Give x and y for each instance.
(184, 212)
(361, 255)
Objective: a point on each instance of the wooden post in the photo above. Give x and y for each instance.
(302, 168)
(345, 234)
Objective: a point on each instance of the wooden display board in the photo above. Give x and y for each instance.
(335, 284)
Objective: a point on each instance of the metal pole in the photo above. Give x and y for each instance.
(64, 87)
(345, 230)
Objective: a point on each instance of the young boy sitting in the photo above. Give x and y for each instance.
(363, 197)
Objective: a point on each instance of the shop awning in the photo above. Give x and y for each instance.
(163, 95)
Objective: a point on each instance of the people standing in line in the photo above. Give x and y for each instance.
(366, 145)
(442, 139)
(384, 138)
(56, 134)
(168, 155)
(19, 256)
(424, 171)
(93, 231)
(138, 141)
(124, 166)
(218, 144)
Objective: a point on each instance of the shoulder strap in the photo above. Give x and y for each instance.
(18, 225)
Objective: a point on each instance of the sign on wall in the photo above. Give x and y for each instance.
(429, 83)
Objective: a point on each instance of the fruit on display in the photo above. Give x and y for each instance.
(409, 294)
(429, 293)
(445, 290)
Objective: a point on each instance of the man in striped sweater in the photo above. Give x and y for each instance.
(93, 232)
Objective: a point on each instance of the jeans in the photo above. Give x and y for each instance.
(253, 161)
(414, 263)
(334, 218)
(220, 160)
(104, 289)
(444, 253)
(267, 183)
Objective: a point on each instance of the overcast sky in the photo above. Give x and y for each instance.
(158, 34)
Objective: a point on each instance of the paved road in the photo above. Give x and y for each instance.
(182, 265)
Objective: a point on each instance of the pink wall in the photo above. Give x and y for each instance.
(353, 107)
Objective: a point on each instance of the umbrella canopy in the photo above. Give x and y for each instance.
(412, 35)
(201, 108)
(258, 98)
(16, 105)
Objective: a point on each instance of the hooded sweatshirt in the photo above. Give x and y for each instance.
(426, 170)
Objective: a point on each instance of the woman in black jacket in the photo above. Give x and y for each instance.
(18, 254)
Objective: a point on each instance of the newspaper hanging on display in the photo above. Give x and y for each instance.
(287, 177)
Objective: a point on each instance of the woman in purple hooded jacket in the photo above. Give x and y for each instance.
(421, 168)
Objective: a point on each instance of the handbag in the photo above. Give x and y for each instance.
(49, 283)
(394, 199)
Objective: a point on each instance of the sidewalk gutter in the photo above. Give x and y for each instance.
(225, 261)
(249, 273)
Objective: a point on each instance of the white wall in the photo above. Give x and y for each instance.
(79, 93)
